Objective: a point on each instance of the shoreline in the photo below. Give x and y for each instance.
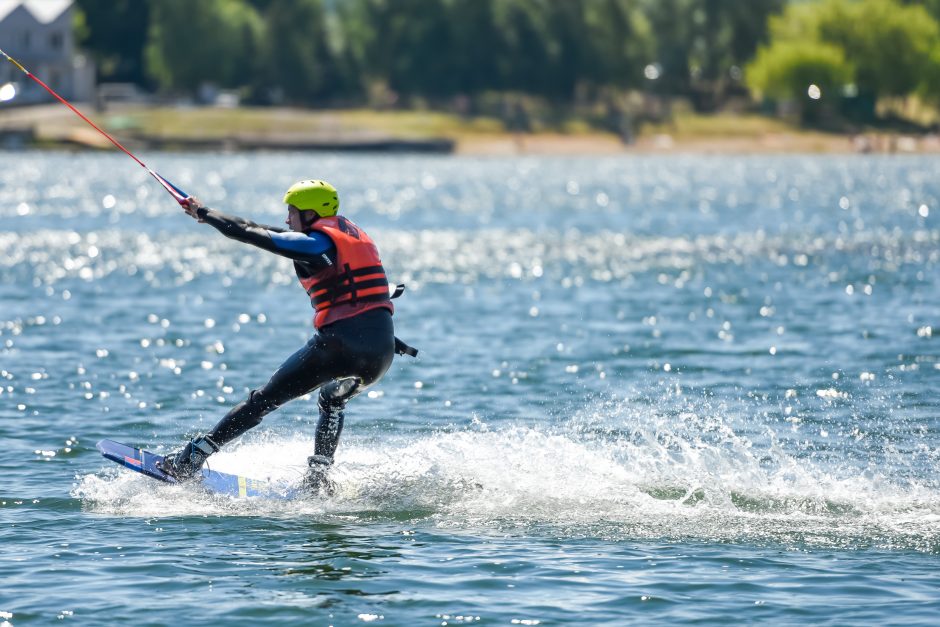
(55, 127)
(508, 145)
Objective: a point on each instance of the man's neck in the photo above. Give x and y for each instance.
(307, 225)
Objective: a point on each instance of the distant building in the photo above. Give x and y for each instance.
(38, 34)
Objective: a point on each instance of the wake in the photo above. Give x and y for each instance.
(573, 482)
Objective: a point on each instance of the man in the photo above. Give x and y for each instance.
(339, 266)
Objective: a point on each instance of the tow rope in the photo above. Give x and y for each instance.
(179, 195)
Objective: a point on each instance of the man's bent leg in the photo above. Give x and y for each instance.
(333, 398)
(301, 373)
(246, 415)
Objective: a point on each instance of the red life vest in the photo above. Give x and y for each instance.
(356, 283)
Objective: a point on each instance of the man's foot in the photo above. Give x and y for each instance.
(186, 464)
(316, 481)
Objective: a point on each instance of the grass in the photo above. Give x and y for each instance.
(215, 123)
(687, 125)
(207, 122)
(687, 129)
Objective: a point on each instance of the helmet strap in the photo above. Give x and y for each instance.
(307, 221)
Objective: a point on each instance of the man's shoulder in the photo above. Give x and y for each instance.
(296, 236)
(307, 243)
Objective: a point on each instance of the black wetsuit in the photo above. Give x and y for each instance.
(342, 359)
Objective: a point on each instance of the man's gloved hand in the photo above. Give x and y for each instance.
(191, 206)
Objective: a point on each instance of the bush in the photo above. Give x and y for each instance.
(786, 69)
(883, 48)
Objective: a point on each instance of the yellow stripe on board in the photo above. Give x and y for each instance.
(242, 487)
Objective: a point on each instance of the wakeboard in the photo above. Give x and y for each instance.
(147, 463)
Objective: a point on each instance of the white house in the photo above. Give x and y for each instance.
(38, 34)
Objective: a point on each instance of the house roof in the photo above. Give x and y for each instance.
(44, 11)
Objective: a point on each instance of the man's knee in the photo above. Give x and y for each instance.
(257, 406)
(244, 416)
(333, 395)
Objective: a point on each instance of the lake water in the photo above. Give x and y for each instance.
(650, 390)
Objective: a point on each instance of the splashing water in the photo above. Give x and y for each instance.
(649, 389)
(679, 476)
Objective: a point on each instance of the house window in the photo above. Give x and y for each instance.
(26, 38)
(56, 40)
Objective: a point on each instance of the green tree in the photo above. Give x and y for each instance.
(524, 48)
(405, 43)
(785, 70)
(300, 59)
(890, 47)
(888, 43)
(599, 43)
(929, 88)
(112, 31)
(808, 76)
(620, 43)
(700, 43)
(439, 48)
(932, 6)
(210, 41)
(477, 46)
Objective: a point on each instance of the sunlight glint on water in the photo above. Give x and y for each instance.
(649, 389)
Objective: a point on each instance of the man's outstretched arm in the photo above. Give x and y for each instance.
(315, 249)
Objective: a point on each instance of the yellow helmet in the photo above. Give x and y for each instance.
(318, 196)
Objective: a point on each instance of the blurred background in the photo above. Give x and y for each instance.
(596, 75)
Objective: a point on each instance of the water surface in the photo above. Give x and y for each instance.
(650, 390)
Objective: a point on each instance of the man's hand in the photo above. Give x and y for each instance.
(191, 206)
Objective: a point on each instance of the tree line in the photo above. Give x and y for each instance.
(843, 56)
(349, 52)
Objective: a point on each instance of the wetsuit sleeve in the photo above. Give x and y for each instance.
(316, 250)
